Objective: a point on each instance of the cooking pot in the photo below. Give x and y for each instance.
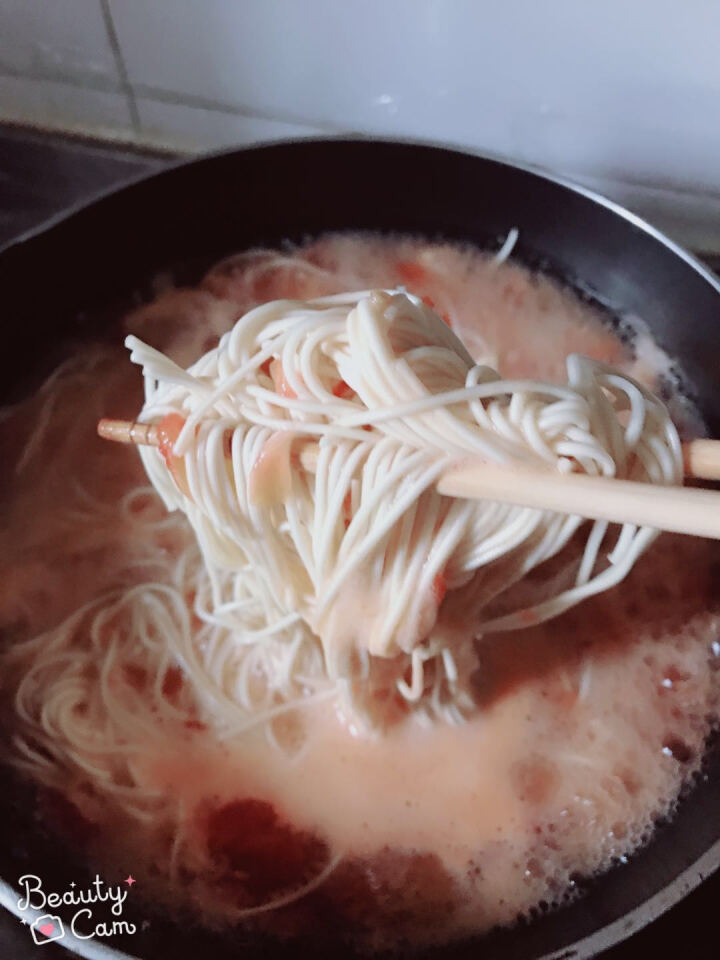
(69, 279)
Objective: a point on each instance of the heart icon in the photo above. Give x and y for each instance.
(46, 929)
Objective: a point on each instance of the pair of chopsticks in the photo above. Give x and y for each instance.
(674, 509)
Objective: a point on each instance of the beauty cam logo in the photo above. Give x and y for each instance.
(87, 921)
(46, 929)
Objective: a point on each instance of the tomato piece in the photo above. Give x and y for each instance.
(342, 390)
(168, 431)
(248, 838)
(270, 480)
(172, 682)
(410, 271)
(439, 588)
(347, 509)
(281, 385)
(135, 676)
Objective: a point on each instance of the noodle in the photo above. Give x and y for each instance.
(363, 549)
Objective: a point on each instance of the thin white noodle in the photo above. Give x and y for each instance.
(508, 246)
(363, 578)
(291, 897)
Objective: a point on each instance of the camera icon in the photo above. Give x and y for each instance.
(46, 929)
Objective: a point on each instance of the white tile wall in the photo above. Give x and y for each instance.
(613, 88)
(622, 94)
(42, 102)
(203, 129)
(56, 38)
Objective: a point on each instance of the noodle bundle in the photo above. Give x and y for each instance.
(359, 550)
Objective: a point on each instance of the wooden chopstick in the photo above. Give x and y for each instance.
(701, 459)
(670, 508)
(128, 431)
(146, 435)
(674, 509)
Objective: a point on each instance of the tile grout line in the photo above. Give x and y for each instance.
(120, 64)
(161, 95)
(81, 81)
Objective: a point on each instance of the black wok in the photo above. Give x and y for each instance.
(56, 283)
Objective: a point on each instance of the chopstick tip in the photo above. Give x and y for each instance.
(127, 431)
